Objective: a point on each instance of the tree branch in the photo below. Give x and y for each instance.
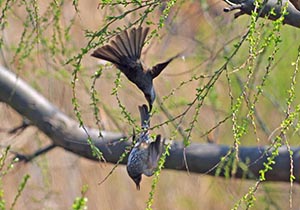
(66, 133)
(247, 7)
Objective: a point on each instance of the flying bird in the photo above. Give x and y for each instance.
(125, 53)
(144, 157)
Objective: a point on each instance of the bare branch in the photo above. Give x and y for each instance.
(247, 7)
(296, 4)
(66, 133)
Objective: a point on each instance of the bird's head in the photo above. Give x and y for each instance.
(137, 180)
(134, 173)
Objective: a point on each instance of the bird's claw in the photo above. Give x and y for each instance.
(235, 7)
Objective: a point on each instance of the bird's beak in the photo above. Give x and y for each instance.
(150, 107)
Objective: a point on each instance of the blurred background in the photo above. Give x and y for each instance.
(39, 37)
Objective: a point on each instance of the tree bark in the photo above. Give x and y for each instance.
(296, 4)
(247, 7)
(66, 133)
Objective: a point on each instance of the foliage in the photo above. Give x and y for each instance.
(5, 169)
(80, 202)
(236, 81)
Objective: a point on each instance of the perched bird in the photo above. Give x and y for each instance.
(144, 157)
(125, 53)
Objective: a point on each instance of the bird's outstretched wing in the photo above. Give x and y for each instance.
(155, 152)
(158, 68)
(125, 51)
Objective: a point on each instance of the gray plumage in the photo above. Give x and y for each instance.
(144, 157)
(125, 53)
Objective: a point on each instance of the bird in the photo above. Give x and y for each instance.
(144, 156)
(125, 53)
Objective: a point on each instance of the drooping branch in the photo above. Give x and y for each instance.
(247, 7)
(66, 133)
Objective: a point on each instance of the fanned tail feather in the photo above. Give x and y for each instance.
(126, 45)
(108, 53)
(143, 34)
(133, 42)
(122, 45)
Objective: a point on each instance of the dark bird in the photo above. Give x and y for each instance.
(125, 53)
(144, 157)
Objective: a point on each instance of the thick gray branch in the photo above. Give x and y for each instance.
(66, 133)
(247, 7)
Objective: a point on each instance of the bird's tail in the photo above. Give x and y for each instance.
(145, 116)
(126, 45)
